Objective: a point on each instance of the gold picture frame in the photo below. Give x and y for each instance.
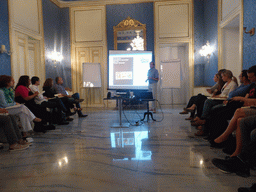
(126, 31)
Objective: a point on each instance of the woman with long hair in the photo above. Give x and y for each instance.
(230, 85)
(23, 94)
(51, 93)
(7, 102)
(197, 102)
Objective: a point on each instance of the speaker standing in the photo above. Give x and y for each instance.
(153, 77)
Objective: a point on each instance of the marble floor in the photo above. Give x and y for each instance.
(90, 155)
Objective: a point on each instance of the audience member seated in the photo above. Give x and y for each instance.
(230, 85)
(7, 101)
(235, 125)
(52, 103)
(23, 94)
(11, 130)
(49, 92)
(196, 102)
(242, 89)
(216, 122)
(60, 89)
(241, 163)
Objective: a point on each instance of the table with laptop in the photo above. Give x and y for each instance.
(139, 96)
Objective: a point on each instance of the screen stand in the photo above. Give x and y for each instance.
(120, 124)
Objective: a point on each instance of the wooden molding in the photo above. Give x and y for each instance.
(65, 4)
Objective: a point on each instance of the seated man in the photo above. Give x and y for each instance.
(241, 163)
(216, 123)
(60, 89)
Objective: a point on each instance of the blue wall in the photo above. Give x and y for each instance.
(199, 40)
(57, 38)
(211, 34)
(205, 29)
(56, 31)
(143, 12)
(249, 42)
(5, 60)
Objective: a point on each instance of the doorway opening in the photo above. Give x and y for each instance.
(174, 73)
(231, 54)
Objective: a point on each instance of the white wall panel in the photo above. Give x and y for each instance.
(228, 6)
(22, 60)
(31, 62)
(25, 14)
(173, 20)
(231, 50)
(88, 25)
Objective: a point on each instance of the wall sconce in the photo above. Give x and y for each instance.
(56, 57)
(206, 50)
(251, 32)
(3, 50)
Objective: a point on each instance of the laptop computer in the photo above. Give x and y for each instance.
(144, 95)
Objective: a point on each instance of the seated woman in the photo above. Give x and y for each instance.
(7, 101)
(51, 93)
(235, 125)
(24, 95)
(230, 85)
(197, 102)
(245, 132)
(52, 103)
(11, 130)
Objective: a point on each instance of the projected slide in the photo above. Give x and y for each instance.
(123, 68)
(128, 69)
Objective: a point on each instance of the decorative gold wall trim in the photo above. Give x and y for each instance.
(189, 40)
(130, 24)
(222, 22)
(95, 97)
(220, 60)
(16, 27)
(230, 14)
(56, 2)
(64, 4)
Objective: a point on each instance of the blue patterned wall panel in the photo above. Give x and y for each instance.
(57, 34)
(249, 42)
(199, 40)
(5, 60)
(211, 34)
(57, 37)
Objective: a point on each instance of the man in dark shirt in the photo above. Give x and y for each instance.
(217, 123)
(60, 89)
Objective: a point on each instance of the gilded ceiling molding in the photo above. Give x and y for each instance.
(65, 4)
(128, 23)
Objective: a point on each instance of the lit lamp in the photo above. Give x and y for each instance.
(138, 42)
(3, 50)
(56, 57)
(206, 50)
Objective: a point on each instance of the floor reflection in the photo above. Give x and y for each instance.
(196, 160)
(129, 144)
